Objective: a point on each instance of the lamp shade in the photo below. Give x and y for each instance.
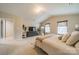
(77, 27)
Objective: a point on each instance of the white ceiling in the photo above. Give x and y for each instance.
(26, 10)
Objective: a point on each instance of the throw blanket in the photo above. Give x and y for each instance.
(41, 38)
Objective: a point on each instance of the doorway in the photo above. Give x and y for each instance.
(6, 28)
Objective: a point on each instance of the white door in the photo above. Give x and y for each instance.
(0, 28)
(9, 29)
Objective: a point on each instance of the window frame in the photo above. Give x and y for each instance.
(66, 21)
(49, 26)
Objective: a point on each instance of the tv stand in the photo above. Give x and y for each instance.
(32, 33)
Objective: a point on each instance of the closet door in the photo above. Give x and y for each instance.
(0, 28)
(6, 28)
(9, 29)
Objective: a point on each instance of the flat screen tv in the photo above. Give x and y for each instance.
(32, 28)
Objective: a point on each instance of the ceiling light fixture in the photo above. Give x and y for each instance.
(38, 9)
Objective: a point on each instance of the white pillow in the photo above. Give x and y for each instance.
(73, 38)
(65, 37)
(60, 37)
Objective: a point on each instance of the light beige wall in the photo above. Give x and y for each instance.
(18, 22)
(52, 22)
(72, 21)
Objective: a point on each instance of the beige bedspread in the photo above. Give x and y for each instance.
(54, 46)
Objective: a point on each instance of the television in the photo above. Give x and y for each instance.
(32, 28)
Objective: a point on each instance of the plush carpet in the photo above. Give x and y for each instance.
(20, 47)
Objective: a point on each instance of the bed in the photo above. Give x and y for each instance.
(54, 46)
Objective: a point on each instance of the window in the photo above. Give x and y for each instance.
(47, 28)
(62, 27)
(42, 30)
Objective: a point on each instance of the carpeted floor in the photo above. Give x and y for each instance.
(20, 47)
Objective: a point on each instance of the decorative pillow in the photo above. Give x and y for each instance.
(73, 38)
(60, 37)
(65, 37)
(40, 38)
